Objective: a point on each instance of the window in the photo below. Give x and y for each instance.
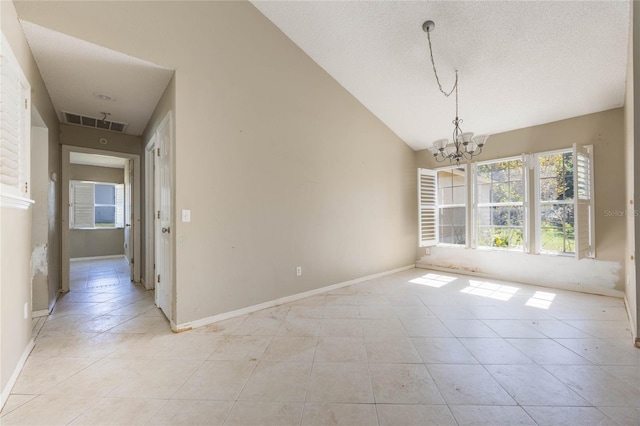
(452, 202)
(15, 126)
(96, 205)
(564, 202)
(500, 203)
(555, 189)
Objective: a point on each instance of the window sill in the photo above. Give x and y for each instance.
(11, 201)
(96, 228)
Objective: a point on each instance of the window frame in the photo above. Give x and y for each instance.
(119, 222)
(539, 203)
(440, 206)
(476, 205)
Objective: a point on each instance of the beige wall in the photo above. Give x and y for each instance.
(96, 173)
(40, 184)
(15, 226)
(280, 166)
(605, 131)
(96, 242)
(90, 138)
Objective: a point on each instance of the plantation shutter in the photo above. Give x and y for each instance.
(83, 207)
(583, 201)
(120, 206)
(427, 207)
(14, 125)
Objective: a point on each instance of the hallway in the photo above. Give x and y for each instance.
(416, 347)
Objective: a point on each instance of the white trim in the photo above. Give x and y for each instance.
(111, 256)
(10, 201)
(634, 332)
(578, 289)
(287, 299)
(16, 372)
(149, 222)
(40, 313)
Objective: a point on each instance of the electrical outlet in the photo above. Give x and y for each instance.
(298, 271)
(186, 215)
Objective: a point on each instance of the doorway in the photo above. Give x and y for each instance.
(158, 219)
(100, 211)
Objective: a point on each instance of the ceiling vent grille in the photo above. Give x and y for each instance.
(96, 123)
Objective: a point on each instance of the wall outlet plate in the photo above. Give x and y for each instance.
(298, 271)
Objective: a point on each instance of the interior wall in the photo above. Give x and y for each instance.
(96, 242)
(90, 138)
(279, 165)
(40, 223)
(605, 131)
(15, 225)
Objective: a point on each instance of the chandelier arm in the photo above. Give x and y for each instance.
(433, 63)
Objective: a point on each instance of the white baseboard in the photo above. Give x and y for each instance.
(16, 372)
(579, 289)
(82, 259)
(634, 331)
(46, 312)
(239, 312)
(40, 313)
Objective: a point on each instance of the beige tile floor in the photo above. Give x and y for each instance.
(416, 347)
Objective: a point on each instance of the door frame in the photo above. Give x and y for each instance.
(65, 232)
(149, 209)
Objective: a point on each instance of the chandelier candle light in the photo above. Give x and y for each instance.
(464, 145)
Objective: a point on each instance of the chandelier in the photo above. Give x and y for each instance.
(463, 145)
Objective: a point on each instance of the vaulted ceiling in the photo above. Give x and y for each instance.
(520, 63)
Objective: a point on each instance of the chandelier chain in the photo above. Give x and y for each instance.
(433, 63)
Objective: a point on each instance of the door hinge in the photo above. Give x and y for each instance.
(158, 277)
(26, 187)
(26, 104)
(133, 261)
(158, 151)
(158, 214)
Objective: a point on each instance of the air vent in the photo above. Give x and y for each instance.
(96, 123)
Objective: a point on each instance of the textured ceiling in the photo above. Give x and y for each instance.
(520, 63)
(73, 70)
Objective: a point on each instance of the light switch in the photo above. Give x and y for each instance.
(186, 215)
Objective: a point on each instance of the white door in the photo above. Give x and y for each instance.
(164, 283)
(128, 216)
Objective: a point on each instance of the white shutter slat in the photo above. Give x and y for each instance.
(120, 206)
(83, 205)
(428, 207)
(14, 124)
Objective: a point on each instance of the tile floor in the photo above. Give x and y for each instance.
(416, 347)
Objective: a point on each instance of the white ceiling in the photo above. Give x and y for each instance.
(73, 70)
(97, 160)
(520, 63)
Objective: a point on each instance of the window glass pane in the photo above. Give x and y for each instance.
(105, 194)
(500, 226)
(105, 216)
(556, 177)
(500, 182)
(452, 225)
(557, 228)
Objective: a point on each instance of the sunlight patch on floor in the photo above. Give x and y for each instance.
(541, 299)
(433, 280)
(491, 290)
